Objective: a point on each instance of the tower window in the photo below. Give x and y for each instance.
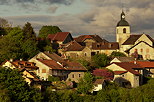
(124, 30)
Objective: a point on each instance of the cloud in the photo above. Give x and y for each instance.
(66, 2)
(52, 9)
(97, 19)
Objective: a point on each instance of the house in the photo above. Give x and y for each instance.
(30, 77)
(127, 74)
(99, 84)
(148, 68)
(60, 37)
(54, 65)
(122, 59)
(30, 66)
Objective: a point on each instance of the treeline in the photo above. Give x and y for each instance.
(13, 88)
(22, 43)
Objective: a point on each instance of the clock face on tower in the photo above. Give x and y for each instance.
(123, 16)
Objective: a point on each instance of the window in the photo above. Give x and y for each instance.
(147, 50)
(72, 75)
(141, 50)
(124, 30)
(85, 54)
(43, 70)
(79, 75)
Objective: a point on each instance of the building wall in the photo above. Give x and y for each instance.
(43, 71)
(144, 38)
(134, 80)
(120, 36)
(75, 76)
(8, 64)
(145, 50)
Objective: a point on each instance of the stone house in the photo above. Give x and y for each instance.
(54, 65)
(127, 74)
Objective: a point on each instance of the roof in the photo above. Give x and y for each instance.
(129, 67)
(123, 22)
(73, 46)
(23, 64)
(119, 72)
(132, 39)
(60, 36)
(82, 38)
(52, 64)
(99, 81)
(105, 46)
(54, 56)
(125, 59)
(66, 65)
(145, 64)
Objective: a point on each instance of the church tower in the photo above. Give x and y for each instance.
(122, 30)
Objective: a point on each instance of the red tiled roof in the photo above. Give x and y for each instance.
(52, 64)
(82, 38)
(119, 72)
(75, 66)
(24, 64)
(145, 64)
(74, 46)
(129, 67)
(66, 65)
(60, 36)
(105, 46)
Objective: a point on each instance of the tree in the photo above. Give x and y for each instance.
(85, 63)
(52, 78)
(28, 31)
(18, 89)
(45, 30)
(100, 60)
(14, 45)
(4, 23)
(117, 54)
(85, 84)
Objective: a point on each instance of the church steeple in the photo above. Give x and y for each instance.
(122, 15)
(122, 29)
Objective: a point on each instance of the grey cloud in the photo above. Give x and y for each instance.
(52, 9)
(66, 2)
(23, 1)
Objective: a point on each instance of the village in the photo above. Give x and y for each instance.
(128, 62)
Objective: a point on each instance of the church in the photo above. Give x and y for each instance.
(140, 46)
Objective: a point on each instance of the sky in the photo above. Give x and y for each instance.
(80, 17)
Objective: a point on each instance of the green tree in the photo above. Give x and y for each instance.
(45, 30)
(28, 31)
(100, 60)
(18, 89)
(85, 84)
(52, 78)
(117, 54)
(85, 63)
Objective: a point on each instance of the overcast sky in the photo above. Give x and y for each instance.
(81, 16)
